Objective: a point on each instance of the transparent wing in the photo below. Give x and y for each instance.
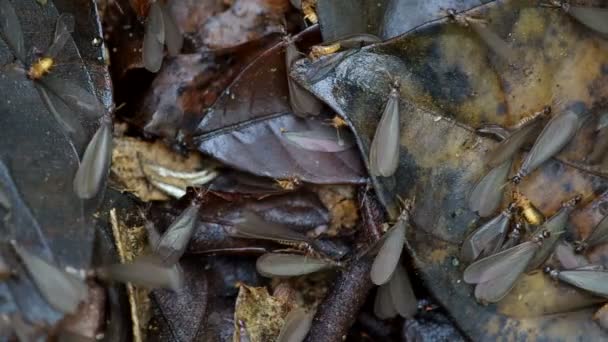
(402, 294)
(289, 265)
(302, 102)
(556, 134)
(593, 281)
(61, 290)
(95, 163)
(320, 140)
(592, 17)
(146, 270)
(487, 193)
(388, 257)
(511, 145)
(174, 241)
(564, 252)
(384, 151)
(383, 303)
(494, 290)
(173, 37)
(556, 226)
(493, 41)
(11, 30)
(63, 29)
(253, 226)
(488, 237)
(514, 259)
(154, 39)
(296, 326)
(599, 234)
(65, 117)
(75, 97)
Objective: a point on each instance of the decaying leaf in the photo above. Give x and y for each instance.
(136, 162)
(261, 314)
(455, 83)
(131, 242)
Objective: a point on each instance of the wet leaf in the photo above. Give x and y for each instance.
(455, 83)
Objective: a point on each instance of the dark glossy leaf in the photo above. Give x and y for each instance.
(278, 158)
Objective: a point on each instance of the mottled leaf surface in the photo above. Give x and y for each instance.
(452, 83)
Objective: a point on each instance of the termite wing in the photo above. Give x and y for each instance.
(593, 278)
(487, 193)
(173, 243)
(396, 297)
(291, 265)
(302, 102)
(11, 29)
(567, 256)
(489, 237)
(388, 256)
(95, 163)
(296, 326)
(63, 291)
(595, 18)
(496, 274)
(322, 139)
(489, 37)
(384, 149)
(149, 271)
(252, 226)
(161, 29)
(511, 144)
(556, 225)
(555, 135)
(598, 235)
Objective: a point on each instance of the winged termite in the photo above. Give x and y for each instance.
(145, 270)
(532, 215)
(74, 97)
(519, 135)
(320, 140)
(588, 279)
(568, 258)
(487, 193)
(596, 18)
(61, 290)
(95, 162)
(496, 274)
(488, 238)
(514, 236)
(252, 226)
(291, 265)
(174, 241)
(296, 326)
(555, 135)
(384, 150)
(556, 225)
(489, 37)
(161, 30)
(388, 256)
(302, 102)
(324, 65)
(598, 235)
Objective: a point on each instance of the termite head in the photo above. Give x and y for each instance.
(581, 246)
(546, 110)
(336, 122)
(552, 272)
(572, 202)
(517, 178)
(544, 234)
